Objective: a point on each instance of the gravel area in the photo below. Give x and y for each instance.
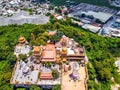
(22, 18)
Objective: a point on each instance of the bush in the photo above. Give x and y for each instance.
(56, 87)
(34, 87)
(23, 57)
(55, 73)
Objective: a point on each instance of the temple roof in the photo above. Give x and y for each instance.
(46, 76)
(21, 39)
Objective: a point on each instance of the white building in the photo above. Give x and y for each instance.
(117, 20)
(92, 28)
(103, 17)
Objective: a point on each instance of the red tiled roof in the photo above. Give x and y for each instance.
(49, 54)
(47, 76)
(63, 11)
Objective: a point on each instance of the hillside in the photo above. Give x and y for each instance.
(101, 51)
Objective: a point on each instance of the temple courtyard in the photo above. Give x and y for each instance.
(69, 84)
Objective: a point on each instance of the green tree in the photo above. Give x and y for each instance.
(58, 10)
(54, 38)
(83, 15)
(30, 53)
(66, 13)
(34, 87)
(57, 25)
(51, 7)
(104, 75)
(55, 73)
(56, 87)
(11, 59)
(98, 21)
(23, 57)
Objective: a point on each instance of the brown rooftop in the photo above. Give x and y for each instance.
(45, 76)
(22, 39)
(49, 53)
(37, 48)
(64, 41)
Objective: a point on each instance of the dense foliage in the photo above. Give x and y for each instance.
(23, 57)
(9, 36)
(101, 51)
(55, 73)
(57, 87)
